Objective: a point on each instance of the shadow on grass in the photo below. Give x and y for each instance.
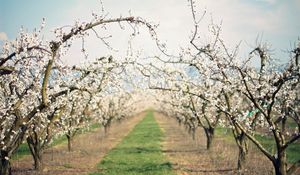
(129, 167)
(140, 150)
(150, 167)
(209, 171)
(183, 151)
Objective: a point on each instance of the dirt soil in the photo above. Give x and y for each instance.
(190, 157)
(88, 150)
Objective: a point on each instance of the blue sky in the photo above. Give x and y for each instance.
(28, 13)
(276, 21)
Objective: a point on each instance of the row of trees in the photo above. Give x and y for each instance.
(42, 98)
(209, 85)
(248, 100)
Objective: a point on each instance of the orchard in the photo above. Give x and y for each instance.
(205, 86)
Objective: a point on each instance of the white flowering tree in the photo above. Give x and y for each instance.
(23, 61)
(274, 98)
(255, 100)
(186, 78)
(93, 77)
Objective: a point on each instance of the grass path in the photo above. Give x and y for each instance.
(139, 152)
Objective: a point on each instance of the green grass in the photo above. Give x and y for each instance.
(291, 123)
(23, 149)
(95, 126)
(225, 133)
(139, 152)
(293, 151)
(66, 165)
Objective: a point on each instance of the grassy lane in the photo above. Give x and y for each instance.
(139, 152)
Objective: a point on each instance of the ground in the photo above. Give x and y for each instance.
(190, 156)
(88, 149)
(186, 156)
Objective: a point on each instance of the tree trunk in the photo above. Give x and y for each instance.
(193, 132)
(36, 152)
(38, 162)
(106, 130)
(280, 164)
(5, 168)
(209, 132)
(243, 151)
(69, 138)
(242, 143)
(241, 159)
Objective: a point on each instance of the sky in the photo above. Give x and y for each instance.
(272, 21)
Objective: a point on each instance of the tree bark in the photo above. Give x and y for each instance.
(36, 152)
(243, 151)
(242, 158)
(209, 132)
(280, 164)
(106, 130)
(69, 138)
(5, 168)
(38, 162)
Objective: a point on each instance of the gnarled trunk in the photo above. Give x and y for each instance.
(106, 130)
(36, 152)
(210, 133)
(5, 168)
(70, 139)
(242, 158)
(280, 164)
(243, 151)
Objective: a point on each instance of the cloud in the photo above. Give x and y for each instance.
(267, 1)
(3, 36)
(241, 21)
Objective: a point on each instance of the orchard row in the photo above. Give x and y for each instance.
(207, 85)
